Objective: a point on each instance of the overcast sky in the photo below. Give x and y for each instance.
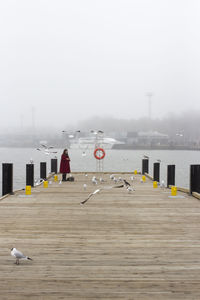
(65, 61)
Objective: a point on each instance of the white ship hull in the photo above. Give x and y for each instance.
(91, 143)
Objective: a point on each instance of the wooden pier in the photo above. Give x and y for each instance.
(119, 245)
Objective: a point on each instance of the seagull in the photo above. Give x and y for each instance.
(98, 190)
(101, 180)
(130, 189)
(162, 185)
(38, 181)
(90, 195)
(112, 176)
(84, 186)
(132, 178)
(93, 131)
(115, 180)
(46, 149)
(18, 255)
(126, 183)
(124, 159)
(94, 180)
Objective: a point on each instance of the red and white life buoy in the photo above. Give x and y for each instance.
(99, 153)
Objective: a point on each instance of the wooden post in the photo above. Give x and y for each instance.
(145, 166)
(54, 165)
(43, 170)
(156, 171)
(194, 178)
(30, 174)
(7, 178)
(170, 175)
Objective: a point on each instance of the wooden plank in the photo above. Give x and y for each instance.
(142, 245)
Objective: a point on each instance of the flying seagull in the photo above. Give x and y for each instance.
(46, 147)
(90, 195)
(126, 183)
(98, 190)
(18, 255)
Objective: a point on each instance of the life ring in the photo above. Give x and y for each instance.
(101, 151)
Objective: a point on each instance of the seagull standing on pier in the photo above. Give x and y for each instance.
(162, 185)
(18, 255)
(94, 180)
(101, 180)
(130, 189)
(115, 180)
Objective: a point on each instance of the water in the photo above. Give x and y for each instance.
(114, 161)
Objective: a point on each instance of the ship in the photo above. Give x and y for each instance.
(94, 142)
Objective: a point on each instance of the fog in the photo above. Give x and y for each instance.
(66, 61)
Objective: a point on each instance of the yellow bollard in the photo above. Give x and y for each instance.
(55, 178)
(28, 190)
(144, 178)
(135, 172)
(173, 190)
(45, 184)
(155, 184)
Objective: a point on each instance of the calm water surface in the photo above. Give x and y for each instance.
(115, 160)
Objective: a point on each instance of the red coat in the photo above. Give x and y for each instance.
(64, 164)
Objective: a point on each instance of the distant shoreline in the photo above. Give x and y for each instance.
(166, 147)
(121, 147)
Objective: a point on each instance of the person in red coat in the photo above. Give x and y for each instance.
(64, 165)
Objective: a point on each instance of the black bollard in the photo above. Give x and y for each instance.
(170, 175)
(145, 166)
(54, 164)
(30, 174)
(156, 171)
(7, 179)
(194, 178)
(43, 170)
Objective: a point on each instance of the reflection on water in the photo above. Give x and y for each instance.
(115, 160)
